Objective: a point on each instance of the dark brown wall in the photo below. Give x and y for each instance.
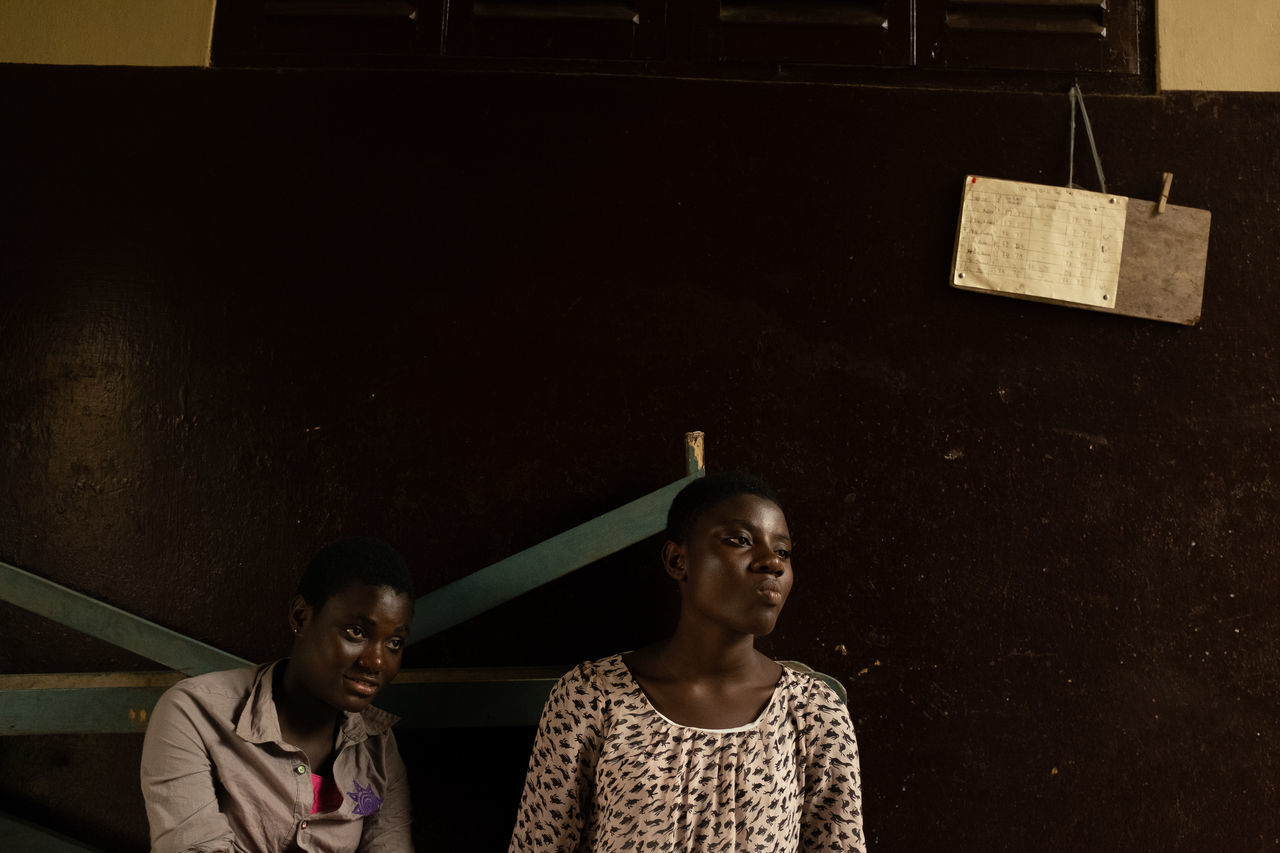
(245, 313)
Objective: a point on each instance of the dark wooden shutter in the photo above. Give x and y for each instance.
(342, 26)
(575, 29)
(1048, 35)
(762, 37)
(844, 32)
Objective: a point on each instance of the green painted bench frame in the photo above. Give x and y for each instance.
(120, 702)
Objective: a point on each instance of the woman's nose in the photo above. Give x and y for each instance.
(770, 562)
(371, 658)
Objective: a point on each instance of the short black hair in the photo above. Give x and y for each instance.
(705, 492)
(359, 559)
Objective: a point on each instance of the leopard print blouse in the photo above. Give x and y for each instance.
(609, 774)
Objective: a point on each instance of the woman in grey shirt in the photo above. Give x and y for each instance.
(291, 755)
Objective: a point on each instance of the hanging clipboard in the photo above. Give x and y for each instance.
(1068, 246)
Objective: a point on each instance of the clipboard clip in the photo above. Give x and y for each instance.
(1164, 192)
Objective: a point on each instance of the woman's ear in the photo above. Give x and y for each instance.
(673, 560)
(299, 614)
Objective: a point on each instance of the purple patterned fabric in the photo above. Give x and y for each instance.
(366, 801)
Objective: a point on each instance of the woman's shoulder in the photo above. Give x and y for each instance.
(809, 694)
(594, 684)
(225, 682)
(204, 706)
(604, 675)
(213, 692)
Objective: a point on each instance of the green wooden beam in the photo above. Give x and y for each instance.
(122, 702)
(116, 626)
(553, 558)
(27, 837)
(77, 710)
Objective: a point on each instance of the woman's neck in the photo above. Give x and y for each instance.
(696, 652)
(300, 714)
(705, 679)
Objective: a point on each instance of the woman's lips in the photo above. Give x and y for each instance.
(770, 592)
(362, 686)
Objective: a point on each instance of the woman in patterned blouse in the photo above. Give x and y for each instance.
(699, 742)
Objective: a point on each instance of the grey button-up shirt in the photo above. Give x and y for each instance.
(218, 776)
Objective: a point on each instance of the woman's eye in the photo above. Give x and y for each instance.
(784, 553)
(355, 632)
(738, 540)
(396, 643)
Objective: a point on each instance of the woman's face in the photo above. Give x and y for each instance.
(350, 648)
(735, 566)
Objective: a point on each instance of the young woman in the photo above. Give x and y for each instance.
(700, 742)
(290, 755)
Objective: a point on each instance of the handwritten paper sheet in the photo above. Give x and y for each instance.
(1050, 242)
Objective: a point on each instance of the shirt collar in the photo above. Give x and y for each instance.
(257, 721)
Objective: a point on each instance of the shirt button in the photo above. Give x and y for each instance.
(304, 825)
(300, 769)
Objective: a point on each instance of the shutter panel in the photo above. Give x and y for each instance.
(338, 26)
(844, 32)
(276, 32)
(1048, 35)
(582, 29)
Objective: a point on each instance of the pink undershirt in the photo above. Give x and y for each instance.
(325, 795)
